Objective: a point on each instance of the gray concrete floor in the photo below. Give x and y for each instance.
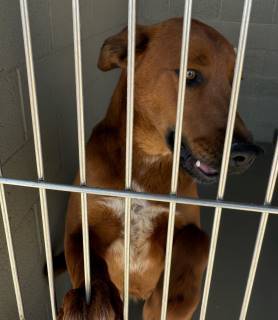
(234, 251)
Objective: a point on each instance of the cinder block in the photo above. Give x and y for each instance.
(91, 52)
(273, 35)
(96, 17)
(259, 86)
(97, 98)
(30, 266)
(246, 107)
(60, 80)
(154, 11)
(57, 207)
(22, 128)
(262, 10)
(11, 45)
(26, 241)
(19, 200)
(275, 14)
(57, 103)
(12, 131)
(260, 114)
(248, 86)
(140, 12)
(259, 36)
(62, 27)
(202, 9)
(29, 262)
(7, 297)
(40, 25)
(270, 68)
(254, 62)
(56, 97)
(230, 30)
(49, 124)
(22, 165)
(57, 108)
(108, 15)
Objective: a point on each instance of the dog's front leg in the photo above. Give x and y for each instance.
(105, 304)
(189, 259)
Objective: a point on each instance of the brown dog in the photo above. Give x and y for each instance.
(209, 78)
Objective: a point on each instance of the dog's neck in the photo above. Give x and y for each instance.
(146, 165)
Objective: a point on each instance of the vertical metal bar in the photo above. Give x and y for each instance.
(260, 236)
(227, 148)
(38, 148)
(9, 240)
(81, 144)
(129, 141)
(176, 154)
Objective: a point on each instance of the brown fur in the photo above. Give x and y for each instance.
(205, 116)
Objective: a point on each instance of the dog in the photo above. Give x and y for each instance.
(209, 81)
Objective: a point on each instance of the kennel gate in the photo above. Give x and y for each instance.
(265, 209)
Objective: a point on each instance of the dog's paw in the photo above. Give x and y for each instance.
(105, 304)
(74, 306)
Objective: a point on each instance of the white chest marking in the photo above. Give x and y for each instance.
(141, 227)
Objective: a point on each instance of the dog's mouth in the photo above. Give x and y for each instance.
(201, 171)
(197, 168)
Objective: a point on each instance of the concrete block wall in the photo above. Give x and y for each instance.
(51, 30)
(258, 101)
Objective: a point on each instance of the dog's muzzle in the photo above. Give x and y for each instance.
(242, 157)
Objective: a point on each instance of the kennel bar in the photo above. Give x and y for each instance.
(9, 240)
(176, 154)
(81, 144)
(141, 196)
(227, 148)
(129, 142)
(38, 148)
(260, 235)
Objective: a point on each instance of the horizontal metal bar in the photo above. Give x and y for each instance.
(38, 147)
(260, 236)
(176, 154)
(81, 143)
(142, 196)
(7, 230)
(227, 149)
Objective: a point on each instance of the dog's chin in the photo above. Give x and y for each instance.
(196, 168)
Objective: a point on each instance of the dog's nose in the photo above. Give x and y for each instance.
(243, 155)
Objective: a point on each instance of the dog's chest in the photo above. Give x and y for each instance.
(142, 222)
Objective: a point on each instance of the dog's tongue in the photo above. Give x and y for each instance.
(205, 168)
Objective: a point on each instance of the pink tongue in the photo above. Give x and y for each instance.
(205, 168)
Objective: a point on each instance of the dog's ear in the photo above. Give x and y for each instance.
(113, 53)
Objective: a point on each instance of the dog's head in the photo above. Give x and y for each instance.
(209, 80)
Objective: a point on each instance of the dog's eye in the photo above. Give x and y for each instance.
(191, 74)
(193, 77)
